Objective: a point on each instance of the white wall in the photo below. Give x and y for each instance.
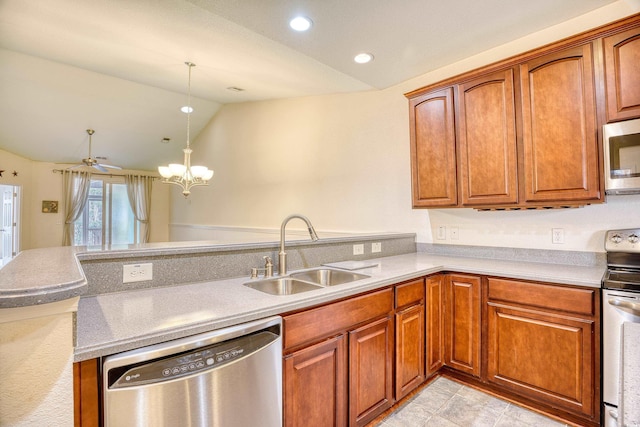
(344, 161)
(36, 365)
(38, 182)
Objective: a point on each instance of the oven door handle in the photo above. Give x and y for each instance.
(628, 306)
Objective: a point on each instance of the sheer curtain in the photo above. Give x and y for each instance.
(75, 190)
(139, 192)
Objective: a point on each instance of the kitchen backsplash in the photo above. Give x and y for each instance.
(183, 264)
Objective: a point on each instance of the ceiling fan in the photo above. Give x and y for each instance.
(93, 162)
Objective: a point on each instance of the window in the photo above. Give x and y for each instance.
(107, 218)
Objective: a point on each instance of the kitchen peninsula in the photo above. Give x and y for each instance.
(199, 287)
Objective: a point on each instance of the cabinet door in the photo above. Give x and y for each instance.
(486, 123)
(409, 349)
(315, 385)
(370, 371)
(559, 127)
(462, 323)
(622, 72)
(435, 324)
(86, 393)
(547, 357)
(433, 152)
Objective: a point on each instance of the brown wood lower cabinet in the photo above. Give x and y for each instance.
(346, 362)
(323, 368)
(370, 371)
(435, 324)
(410, 337)
(345, 349)
(86, 393)
(543, 356)
(542, 343)
(410, 349)
(462, 323)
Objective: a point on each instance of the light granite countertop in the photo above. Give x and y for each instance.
(41, 276)
(48, 275)
(116, 322)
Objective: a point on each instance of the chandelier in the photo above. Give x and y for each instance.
(185, 175)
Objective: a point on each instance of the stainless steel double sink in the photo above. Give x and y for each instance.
(306, 280)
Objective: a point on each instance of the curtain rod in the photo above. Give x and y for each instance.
(111, 175)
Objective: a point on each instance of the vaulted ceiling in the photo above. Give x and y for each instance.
(118, 67)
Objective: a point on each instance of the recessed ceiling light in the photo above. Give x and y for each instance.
(363, 58)
(186, 109)
(300, 23)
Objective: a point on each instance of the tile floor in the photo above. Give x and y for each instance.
(446, 403)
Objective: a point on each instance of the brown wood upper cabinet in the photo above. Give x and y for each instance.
(622, 79)
(525, 136)
(487, 140)
(524, 132)
(559, 127)
(433, 149)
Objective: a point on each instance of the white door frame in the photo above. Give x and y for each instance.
(9, 223)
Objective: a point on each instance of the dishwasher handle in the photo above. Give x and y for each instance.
(626, 306)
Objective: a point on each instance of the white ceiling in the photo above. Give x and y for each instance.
(117, 66)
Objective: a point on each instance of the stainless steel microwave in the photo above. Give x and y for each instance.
(622, 157)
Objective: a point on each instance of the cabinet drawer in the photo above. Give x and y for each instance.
(409, 293)
(573, 300)
(314, 324)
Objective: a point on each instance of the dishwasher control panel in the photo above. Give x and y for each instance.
(191, 362)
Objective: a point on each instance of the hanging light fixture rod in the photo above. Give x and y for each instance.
(185, 175)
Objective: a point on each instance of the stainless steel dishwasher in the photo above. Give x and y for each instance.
(230, 377)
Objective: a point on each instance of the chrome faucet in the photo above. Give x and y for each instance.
(282, 255)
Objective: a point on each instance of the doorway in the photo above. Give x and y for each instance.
(9, 223)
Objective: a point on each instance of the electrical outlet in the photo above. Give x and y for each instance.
(358, 249)
(557, 236)
(376, 247)
(442, 233)
(137, 272)
(453, 233)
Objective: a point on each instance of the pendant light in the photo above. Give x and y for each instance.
(185, 175)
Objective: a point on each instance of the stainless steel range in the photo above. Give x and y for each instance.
(620, 313)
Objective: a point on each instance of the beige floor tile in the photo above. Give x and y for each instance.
(447, 403)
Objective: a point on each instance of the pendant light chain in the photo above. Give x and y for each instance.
(189, 109)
